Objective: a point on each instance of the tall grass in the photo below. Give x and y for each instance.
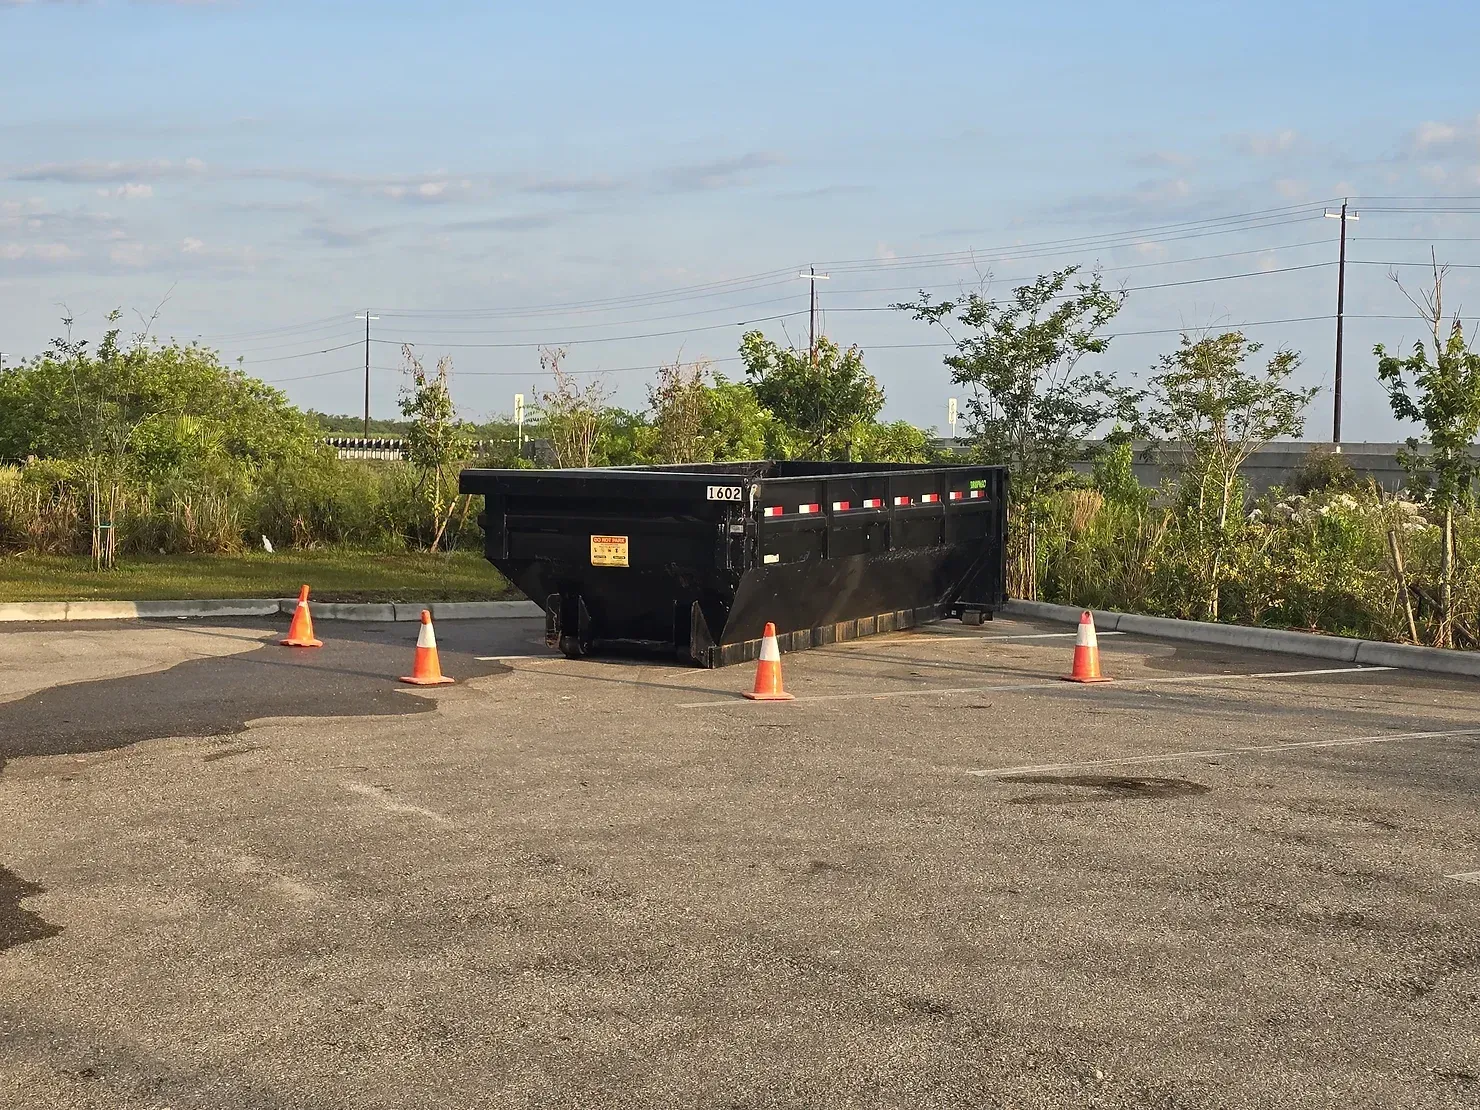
(313, 502)
(1319, 561)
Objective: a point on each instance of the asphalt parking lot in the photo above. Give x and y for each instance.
(233, 875)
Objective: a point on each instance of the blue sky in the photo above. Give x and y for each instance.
(486, 177)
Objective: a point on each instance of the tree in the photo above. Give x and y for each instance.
(738, 427)
(896, 442)
(573, 417)
(696, 421)
(681, 406)
(822, 400)
(134, 413)
(1444, 397)
(436, 443)
(1204, 398)
(1031, 405)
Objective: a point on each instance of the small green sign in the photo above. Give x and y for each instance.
(980, 484)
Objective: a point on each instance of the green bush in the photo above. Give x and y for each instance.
(1317, 562)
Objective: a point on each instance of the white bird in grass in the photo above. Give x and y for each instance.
(267, 545)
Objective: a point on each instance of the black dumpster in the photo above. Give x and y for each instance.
(693, 560)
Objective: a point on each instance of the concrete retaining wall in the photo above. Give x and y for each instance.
(1336, 649)
(49, 611)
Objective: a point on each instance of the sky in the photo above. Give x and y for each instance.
(645, 181)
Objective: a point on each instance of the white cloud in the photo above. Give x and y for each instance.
(428, 191)
(87, 172)
(721, 173)
(1431, 133)
(191, 245)
(1162, 159)
(1176, 188)
(40, 252)
(1443, 138)
(1266, 144)
(129, 191)
(132, 253)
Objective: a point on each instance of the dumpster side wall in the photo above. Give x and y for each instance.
(694, 562)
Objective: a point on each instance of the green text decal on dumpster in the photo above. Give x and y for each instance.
(608, 551)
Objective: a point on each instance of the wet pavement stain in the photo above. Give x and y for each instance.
(17, 925)
(353, 676)
(1100, 788)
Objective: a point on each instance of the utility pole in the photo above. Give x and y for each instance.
(813, 277)
(367, 318)
(1343, 216)
(812, 316)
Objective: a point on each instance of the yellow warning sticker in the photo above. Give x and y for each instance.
(608, 551)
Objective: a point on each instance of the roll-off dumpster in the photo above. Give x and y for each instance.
(693, 560)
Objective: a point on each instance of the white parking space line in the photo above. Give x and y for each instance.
(1053, 684)
(1213, 753)
(1466, 877)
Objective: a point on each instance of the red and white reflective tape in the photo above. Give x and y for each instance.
(901, 500)
(771, 510)
(930, 498)
(976, 493)
(955, 495)
(809, 508)
(873, 502)
(839, 506)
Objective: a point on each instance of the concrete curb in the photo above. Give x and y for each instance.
(57, 611)
(1339, 649)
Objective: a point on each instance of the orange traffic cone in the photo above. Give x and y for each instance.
(1086, 653)
(300, 632)
(768, 670)
(427, 670)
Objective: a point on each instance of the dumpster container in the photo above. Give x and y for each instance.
(692, 561)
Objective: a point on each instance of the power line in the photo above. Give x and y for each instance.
(713, 288)
(306, 377)
(1086, 241)
(621, 338)
(1182, 230)
(307, 325)
(535, 372)
(298, 342)
(1412, 265)
(1213, 225)
(847, 292)
(305, 354)
(557, 341)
